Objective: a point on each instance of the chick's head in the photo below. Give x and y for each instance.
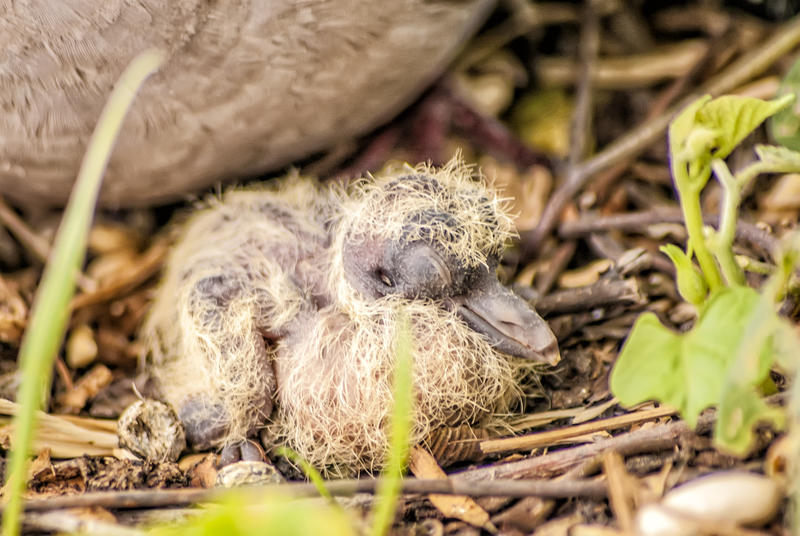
(435, 234)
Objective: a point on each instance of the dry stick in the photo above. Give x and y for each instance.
(659, 105)
(636, 221)
(582, 118)
(551, 437)
(33, 242)
(183, 497)
(581, 125)
(651, 439)
(147, 265)
(603, 293)
(647, 133)
(65, 522)
(558, 263)
(619, 490)
(525, 17)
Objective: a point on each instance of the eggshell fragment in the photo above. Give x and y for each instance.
(735, 497)
(655, 520)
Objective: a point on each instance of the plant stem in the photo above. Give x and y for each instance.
(50, 311)
(693, 216)
(383, 513)
(731, 199)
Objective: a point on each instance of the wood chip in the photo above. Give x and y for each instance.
(621, 490)
(13, 313)
(86, 388)
(81, 348)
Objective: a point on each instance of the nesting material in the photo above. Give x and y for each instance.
(151, 430)
(258, 326)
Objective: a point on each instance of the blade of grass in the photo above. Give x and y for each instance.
(50, 311)
(386, 502)
(309, 470)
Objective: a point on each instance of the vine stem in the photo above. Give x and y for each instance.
(693, 216)
(723, 246)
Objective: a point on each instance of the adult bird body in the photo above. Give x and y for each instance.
(247, 86)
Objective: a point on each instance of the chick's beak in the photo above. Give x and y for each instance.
(508, 322)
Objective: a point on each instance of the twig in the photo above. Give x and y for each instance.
(565, 325)
(181, 497)
(626, 72)
(551, 437)
(636, 221)
(600, 294)
(647, 133)
(582, 118)
(146, 266)
(33, 242)
(556, 264)
(666, 97)
(65, 522)
(525, 17)
(650, 439)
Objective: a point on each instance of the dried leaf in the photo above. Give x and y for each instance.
(423, 465)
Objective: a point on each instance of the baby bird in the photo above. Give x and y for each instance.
(278, 310)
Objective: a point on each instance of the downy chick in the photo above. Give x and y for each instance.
(278, 311)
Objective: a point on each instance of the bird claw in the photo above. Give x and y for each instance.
(242, 451)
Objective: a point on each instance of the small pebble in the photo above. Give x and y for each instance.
(248, 473)
(81, 347)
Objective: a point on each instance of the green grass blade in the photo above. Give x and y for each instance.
(310, 471)
(50, 311)
(386, 501)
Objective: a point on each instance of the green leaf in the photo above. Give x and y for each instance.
(649, 366)
(708, 129)
(691, 284)
(735, 117)
(690, 154)
(687, 370)
(779, 159)
(681, 127)
(740, 409)
(401, 423)
(786, 341)
(785, 125)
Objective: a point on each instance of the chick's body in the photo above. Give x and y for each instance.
(268, 317)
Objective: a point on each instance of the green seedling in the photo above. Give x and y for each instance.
(725, 359)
